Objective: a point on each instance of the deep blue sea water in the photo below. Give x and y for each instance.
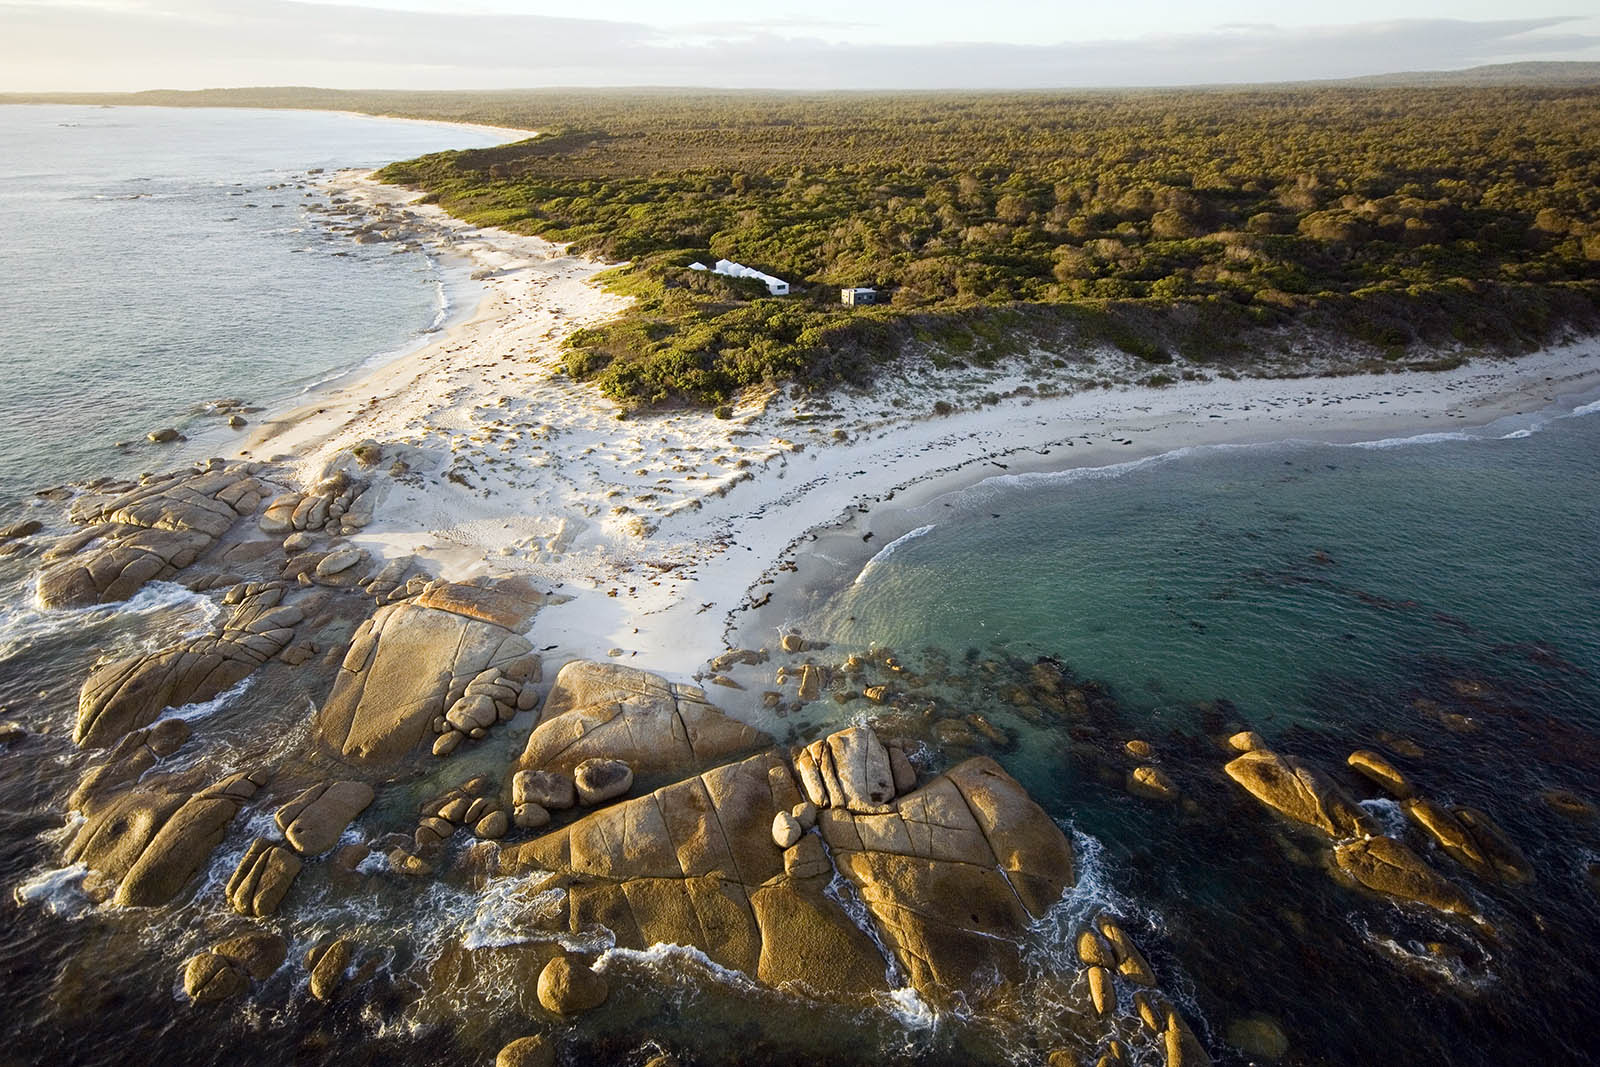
(148, 268)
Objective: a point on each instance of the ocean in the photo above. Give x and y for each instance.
(159, 259)
(1433, 597)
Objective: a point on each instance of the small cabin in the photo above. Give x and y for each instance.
(858, 297)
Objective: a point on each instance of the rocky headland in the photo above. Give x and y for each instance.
(618, 810)
(410, 766)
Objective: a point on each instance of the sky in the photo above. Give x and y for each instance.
(51, 45)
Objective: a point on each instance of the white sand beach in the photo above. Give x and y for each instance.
(663, 527)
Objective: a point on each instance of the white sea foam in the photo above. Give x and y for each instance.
(1053, 936)
(674, 962)
(25, 622)
(193, 712)
(982, 490)
(843, 893)
(1388, 814)
(908, 1008)
(1414, 439)
(890, 549)
(442, 307)
(1052, 479)
(374, 862)
(506, 915)
(58, 891)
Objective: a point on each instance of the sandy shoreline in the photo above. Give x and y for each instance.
(663, 529)
(510, 133)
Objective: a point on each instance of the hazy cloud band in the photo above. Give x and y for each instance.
(179, 44)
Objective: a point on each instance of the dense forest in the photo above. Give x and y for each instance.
(1410, 220)
(1158, 221)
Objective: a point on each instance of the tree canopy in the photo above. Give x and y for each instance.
(1161, 219)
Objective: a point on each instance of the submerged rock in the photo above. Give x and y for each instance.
(1569, 804)
(1151, 783)
(1472, 839)
(810, 683)
(1385, 866)
(1260, 1036)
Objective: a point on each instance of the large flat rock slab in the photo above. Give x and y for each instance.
(145, 531)
(130, 693)
(954, 875)
(603, 710)
(144, 845)
(406, 667)
(694, 863)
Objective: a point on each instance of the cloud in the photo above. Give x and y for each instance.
(109, 44)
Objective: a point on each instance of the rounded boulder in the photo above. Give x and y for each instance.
(534, 1051)
(569, 987)
(600, 780)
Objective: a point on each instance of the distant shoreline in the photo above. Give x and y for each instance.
(511, 133)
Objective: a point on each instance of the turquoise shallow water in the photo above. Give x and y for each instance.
(1259, 573)
(149, 268)
(1437, 598)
